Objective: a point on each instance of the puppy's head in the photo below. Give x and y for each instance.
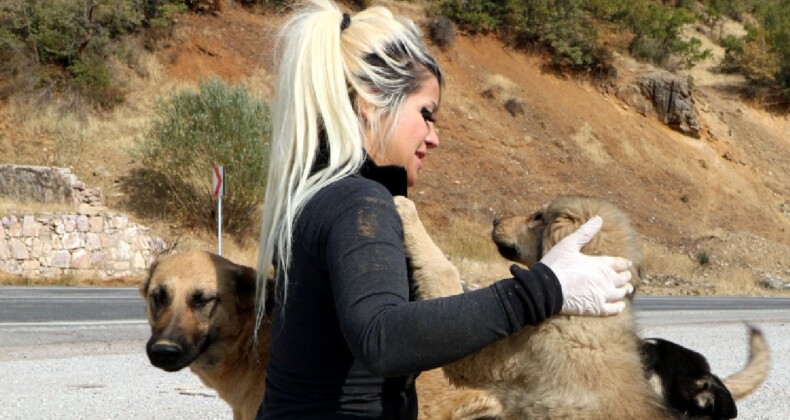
(518, 238)
(526, 239)
(194, 301)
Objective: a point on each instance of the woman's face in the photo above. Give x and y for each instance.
(415, 132)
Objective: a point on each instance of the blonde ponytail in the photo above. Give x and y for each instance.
(322, 72)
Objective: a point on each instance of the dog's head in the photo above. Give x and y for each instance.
(519, 238)
(525, 239)
(193, 301)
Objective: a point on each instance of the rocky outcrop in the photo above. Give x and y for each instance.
(42, 184)
(667, 97)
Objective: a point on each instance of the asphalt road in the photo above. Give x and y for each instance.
(78, 353)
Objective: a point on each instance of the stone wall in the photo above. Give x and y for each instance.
(97, 246)
(45, 185)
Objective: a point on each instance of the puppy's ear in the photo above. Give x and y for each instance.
(558, 225)
(244, 279)
(147, 281)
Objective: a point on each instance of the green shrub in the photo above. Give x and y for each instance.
(93, 81)
(61, 42)
(475, 15)
(218, 125)
(763, 55)
(656, 30)
(570, 32)
(58, 31)
(568, 29)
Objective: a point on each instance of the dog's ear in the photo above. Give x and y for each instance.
(147, 280)
(244, 279)
(558, 226)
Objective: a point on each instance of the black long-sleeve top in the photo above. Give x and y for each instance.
(349, 341)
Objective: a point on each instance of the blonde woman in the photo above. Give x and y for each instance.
(353, 122)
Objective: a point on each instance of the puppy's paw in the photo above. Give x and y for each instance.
(406, 209)
(416, 237)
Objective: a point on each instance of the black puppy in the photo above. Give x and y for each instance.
(684, 379)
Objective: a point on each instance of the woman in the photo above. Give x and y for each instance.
(353, 122)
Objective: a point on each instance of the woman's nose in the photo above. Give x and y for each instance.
(432, 140)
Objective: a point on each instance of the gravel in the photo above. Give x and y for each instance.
(102, 386)
(114, 380)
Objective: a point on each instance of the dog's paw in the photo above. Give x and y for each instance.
(416, 237)
(406, 209)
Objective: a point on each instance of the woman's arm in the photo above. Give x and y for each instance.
(362, 249)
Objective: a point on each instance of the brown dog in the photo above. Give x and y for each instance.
(567, 367)
(201, 308)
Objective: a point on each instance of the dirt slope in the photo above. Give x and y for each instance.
(720, 196)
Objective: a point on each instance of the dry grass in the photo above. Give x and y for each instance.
(467, 237)
(497, 86)
(8, 206)
(7, 279)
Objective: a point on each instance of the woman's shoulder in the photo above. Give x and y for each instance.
(349, 196)
(354, 186)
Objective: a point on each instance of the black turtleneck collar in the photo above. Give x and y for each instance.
(392, 177)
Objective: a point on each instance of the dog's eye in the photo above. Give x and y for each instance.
(200, 301)
(159, 297)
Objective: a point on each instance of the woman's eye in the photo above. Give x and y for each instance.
(427, 115)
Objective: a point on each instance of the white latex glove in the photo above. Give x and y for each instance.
(591, 285)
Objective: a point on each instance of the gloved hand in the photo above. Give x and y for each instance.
(591, 285)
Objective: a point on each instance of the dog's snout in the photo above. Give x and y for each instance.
(165, 354)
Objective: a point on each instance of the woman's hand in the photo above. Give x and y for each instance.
(590, 285)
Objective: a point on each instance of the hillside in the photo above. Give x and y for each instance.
(724, 196)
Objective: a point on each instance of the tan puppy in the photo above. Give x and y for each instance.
(201, 310)
(681, 376)
(567, 367)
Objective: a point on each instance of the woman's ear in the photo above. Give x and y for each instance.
(361, 106)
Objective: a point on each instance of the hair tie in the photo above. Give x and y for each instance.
(346, 21)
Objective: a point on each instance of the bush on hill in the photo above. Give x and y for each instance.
(217, 125)
(569, 29)
(64, 46)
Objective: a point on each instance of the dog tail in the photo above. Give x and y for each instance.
(755, 372)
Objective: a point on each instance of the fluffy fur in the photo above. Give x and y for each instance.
(567, 367)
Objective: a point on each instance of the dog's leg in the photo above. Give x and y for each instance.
(478, 405)
(432, 273)
(435, 276)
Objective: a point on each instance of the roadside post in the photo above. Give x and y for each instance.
(218, 186)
